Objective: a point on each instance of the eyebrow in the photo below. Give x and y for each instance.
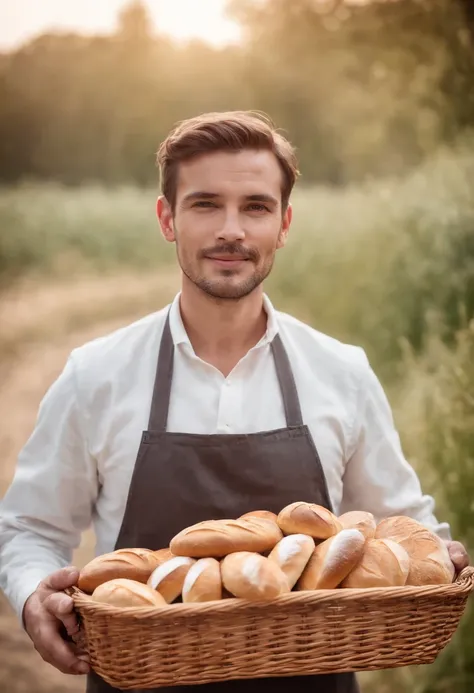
(203, 195)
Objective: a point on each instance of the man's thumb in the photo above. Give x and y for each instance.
(61, 579)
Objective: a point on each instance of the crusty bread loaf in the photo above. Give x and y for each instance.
(217, 538)
(168, 578)
(333, 560)
(430, 563)
(266, 514)
(384, 563)
(363, 521)
(251, 576)
(124, 592)
(133, 564)
(308, 518)
(203, 582)
(162, 555)
(291, 555)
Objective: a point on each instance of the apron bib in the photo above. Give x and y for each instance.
(183, 478)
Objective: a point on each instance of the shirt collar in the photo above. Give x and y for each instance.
(180, 336)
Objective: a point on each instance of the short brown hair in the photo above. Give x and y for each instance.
(228, 131)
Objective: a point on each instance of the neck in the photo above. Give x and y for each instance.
(221, 331)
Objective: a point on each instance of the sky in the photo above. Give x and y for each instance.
(21, 20)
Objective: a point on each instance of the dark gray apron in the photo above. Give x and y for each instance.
(183, 478)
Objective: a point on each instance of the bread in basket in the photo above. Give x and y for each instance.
(314, 596)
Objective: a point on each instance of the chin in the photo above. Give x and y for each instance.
(228, 290)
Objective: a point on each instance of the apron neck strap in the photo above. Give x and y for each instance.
(163, 379)
(164, 375)
(289, 393)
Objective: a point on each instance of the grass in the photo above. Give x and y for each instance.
(373, 264)
(388, 265)
(48, 228)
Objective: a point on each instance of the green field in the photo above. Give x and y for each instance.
(388, 265)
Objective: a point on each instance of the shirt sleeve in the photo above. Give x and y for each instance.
(377, 477)
(50, 500)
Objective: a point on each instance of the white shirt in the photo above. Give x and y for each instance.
(76, 467)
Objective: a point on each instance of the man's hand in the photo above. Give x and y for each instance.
(46, 612)
(458, 555)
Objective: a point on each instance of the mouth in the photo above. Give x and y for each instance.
(227, 260)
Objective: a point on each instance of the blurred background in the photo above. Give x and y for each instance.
(378, 97)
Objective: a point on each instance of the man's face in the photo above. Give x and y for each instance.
(228, 221)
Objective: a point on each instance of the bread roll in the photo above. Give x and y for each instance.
(251, 576)
(168, 578)
(430, 563)
(266, 514)
(333, 560)
(124, 592)
(203, 583)
(308, 518)
(291, 555)
(162, 555)
(133, 564)
(356, 519)
(384, 563)
(218, 538)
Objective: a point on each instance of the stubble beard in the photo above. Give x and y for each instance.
(220, 288)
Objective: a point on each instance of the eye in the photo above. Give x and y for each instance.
(204, 204)
(257, 207)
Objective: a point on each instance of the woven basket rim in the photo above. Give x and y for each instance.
(462, 585)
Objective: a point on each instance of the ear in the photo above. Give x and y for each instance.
(285, 227)
(165, 217)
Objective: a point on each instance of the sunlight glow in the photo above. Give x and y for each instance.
(182, 19)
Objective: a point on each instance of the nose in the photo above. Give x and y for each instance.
(231, 229)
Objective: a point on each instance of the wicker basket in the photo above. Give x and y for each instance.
(299, 633)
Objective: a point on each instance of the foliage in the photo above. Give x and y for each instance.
(434, 408)
(362, 90)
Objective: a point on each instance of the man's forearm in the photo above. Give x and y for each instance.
(25, 560)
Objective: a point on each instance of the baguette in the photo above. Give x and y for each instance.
(333, 560)
(168, 578)
(132, 564)
(291, 555)
(363, 521)
(124, 592)
(203, 582)
(218, 538)
(308, 518)
(383, 564)
(266, 514)
(251, 576)
(430, 562)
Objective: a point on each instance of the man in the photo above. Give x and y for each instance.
(209, 408)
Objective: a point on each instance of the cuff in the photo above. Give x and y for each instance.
(25, 589)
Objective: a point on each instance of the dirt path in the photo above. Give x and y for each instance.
(39, 326)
